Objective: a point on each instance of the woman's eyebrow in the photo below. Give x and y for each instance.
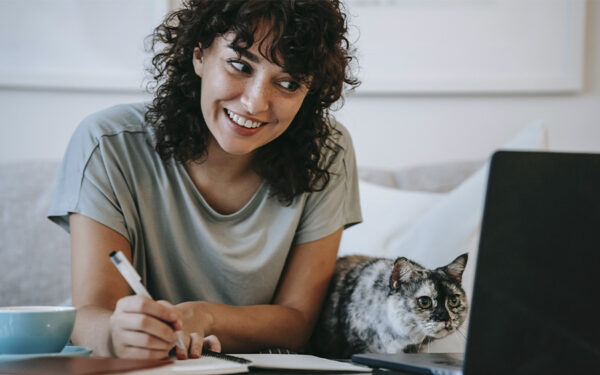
(247, 54)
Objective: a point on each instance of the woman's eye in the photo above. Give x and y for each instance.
(424, 302)
(238, 65)
(290, 85)
(453, 301)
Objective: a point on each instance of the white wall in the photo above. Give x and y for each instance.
(393, 131)
(388, 131)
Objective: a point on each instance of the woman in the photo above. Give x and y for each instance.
(229, 192)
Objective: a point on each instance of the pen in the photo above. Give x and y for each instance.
(134, 281)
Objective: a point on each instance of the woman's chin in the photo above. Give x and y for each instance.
(237, 148)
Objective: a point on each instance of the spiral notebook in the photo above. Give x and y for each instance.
(217, 363)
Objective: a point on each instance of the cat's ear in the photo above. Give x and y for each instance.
(456, 268)
(404, 271)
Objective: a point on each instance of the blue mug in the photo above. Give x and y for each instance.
(35, 329)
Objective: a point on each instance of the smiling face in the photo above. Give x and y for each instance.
(246, 100)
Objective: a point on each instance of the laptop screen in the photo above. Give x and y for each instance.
(536, 283)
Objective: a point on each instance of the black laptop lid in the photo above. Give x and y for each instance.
(537, 287)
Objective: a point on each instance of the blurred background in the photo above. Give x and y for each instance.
(443, 80)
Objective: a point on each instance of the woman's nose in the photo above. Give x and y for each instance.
(255, 97)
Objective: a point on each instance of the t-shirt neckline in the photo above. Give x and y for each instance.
(242, 212)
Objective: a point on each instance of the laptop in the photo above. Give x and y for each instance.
(537, 285)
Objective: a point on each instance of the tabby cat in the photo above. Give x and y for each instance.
(380, 305)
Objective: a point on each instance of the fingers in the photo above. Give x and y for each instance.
(157, 318)
(193, 348)
(212, 343)
(174, 313)
(154, 329)
(196, 343)
(161, 310)
(182, 353)
(143, 328)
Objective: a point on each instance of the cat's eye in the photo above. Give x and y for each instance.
(453, 301)
(424, 302)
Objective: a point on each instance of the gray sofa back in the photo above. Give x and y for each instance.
(34, 252)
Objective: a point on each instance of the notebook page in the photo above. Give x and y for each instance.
(208, 365)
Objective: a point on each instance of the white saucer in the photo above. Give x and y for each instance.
(68, 351)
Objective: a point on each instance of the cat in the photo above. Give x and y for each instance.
(379, 305)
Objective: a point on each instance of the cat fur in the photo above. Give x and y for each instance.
(371, 306)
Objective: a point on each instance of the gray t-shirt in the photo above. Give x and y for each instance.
(183, 249)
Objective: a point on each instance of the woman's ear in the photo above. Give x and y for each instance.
(197, 61)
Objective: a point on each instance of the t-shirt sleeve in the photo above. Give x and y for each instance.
(338, 205)
(85, 183)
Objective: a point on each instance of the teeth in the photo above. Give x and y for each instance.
(241, 121)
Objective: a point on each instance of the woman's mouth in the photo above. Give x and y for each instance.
(242, 121)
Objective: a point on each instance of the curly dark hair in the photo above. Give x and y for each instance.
(307, 37)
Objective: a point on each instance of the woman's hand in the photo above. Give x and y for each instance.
(143, 328)
(195, 343)
(195, 325)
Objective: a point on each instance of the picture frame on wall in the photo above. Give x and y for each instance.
(468, 46)
(77, 45)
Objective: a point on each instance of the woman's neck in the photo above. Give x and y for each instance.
(227, 182)
(221, 166)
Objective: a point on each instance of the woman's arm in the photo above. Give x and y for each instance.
(112, 323)
(108, 320)
(289, 321)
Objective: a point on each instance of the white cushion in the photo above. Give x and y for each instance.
(386, 212)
